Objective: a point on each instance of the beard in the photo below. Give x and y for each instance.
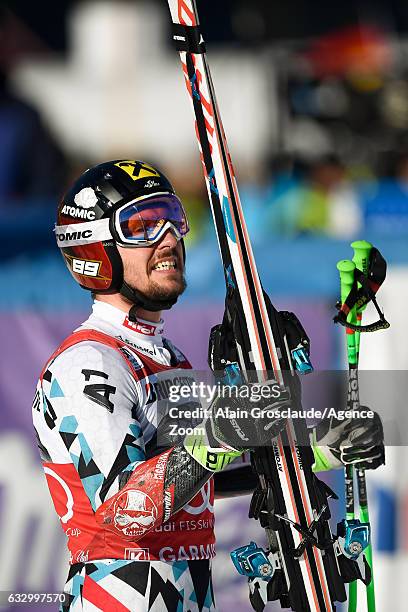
(150, 286)
(156, 292)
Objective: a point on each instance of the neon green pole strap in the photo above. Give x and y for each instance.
(346, 269)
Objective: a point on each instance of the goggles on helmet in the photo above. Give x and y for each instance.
(145, 220)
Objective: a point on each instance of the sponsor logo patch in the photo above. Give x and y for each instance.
(137, 554)
(74, 235)
(278, 460)
(160, 469)
(77, 234)
(167, 505)
(149, 350)
(137, 170)
(141, 328)
(183, 553)
(81, 556)
(151, 183)
(134, 513)
(86, 198)
(78, 213)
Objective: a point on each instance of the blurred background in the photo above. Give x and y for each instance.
(314, 97)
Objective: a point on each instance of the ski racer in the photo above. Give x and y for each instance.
(137, 507)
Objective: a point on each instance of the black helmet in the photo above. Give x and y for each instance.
(85, 232)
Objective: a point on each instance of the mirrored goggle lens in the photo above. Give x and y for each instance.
(146, 220)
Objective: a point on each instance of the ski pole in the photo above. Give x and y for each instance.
(346, 270)
(362, 250)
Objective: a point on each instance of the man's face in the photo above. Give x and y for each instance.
(156, 271)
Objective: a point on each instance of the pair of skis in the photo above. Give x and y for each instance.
(301, 567)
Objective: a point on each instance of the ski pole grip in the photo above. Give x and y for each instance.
(362, 250)
(346, 269)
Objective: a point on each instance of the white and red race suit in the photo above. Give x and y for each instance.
(95, 415)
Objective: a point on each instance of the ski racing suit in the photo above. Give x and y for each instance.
(95, 423)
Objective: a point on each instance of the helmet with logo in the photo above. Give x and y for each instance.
(124, 202)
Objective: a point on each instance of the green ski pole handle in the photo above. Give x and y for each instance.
(362, 250)
(346, 269)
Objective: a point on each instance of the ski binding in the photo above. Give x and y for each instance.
(301, 360)
(254, 562)
(353, 537)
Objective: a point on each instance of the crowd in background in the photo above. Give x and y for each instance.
(291, 195)
(309, 184)
(308, 189)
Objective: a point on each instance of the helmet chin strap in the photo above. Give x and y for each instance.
(140, 300)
